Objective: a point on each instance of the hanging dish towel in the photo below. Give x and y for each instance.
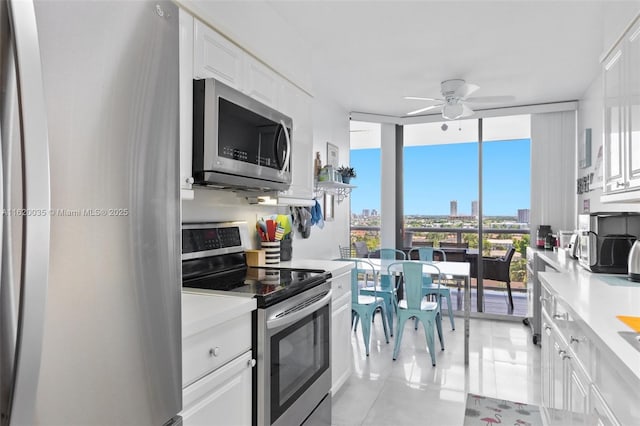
(316, 215)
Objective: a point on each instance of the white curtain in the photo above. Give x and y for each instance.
(553, 171)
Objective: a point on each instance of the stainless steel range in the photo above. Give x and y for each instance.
(292, 326)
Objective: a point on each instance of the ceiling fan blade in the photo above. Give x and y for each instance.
(418, 111)
(466, 111)
(415, 98)
(466, 90)
(490, 99)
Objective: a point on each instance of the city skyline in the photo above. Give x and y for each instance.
(506, 178)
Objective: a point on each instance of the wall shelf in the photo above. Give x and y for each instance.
(338, 189)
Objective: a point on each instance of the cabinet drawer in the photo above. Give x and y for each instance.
(222, 397)
(212, 348)
(340, 286)
(547, 301)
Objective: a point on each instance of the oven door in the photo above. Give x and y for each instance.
(295, 372)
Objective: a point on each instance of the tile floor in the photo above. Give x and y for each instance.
(504, 364)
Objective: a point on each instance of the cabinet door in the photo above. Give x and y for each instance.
(222, 397)
(599, 413)
(545, 366)
(633, 101)
(297, 104)
(614, 132)
(340, 342)
(261, 83)
(577, 403)
(216, 57)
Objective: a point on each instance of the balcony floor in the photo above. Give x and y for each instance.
(495, 301)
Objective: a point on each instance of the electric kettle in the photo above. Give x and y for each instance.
(634, 262)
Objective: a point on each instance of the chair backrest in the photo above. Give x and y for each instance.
(346, 252)
(426, 253)
(365, 269)
(413, 272)
(510, 252)
(361, 249)
(392, 254)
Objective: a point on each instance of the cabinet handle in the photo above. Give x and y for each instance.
(620, 185)
(251, 363)
(560, 316)
(574, 340)
(214, 351)
(561, 352)
(189, 180)
(565, 356)
(547, 328)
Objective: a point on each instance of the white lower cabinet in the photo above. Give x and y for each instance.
(222, 397)
(579, 384)
(340, 331)
(217, 365)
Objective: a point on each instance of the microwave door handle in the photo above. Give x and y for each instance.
(593, 247)
(287, 155)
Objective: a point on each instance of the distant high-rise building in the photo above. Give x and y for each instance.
(365, 212)
(374, 212)
(474, 208)
(454, 208)
(523, 215)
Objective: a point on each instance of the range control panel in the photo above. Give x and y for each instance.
(206, 239)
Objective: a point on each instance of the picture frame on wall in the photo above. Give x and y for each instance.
(333, 155)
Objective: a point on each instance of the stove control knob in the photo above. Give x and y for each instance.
(214, 351)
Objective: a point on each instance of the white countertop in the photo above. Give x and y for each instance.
(202, 310)
(597, 303)
(336, 267)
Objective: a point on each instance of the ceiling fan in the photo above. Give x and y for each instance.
(455, 96)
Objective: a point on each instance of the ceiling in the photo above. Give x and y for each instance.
(368, 55)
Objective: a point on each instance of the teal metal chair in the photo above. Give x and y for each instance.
(428, 287)
(363, 306)
(387, 289)
(414, 305)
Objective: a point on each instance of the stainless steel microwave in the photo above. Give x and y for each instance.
(238, 142)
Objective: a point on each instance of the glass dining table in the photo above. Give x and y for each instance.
(449, 270)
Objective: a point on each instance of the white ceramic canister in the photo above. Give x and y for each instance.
(271, 252)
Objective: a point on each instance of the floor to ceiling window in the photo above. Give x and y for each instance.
(365, 199)
(443, 201)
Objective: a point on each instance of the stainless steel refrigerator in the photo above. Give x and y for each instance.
(90, 272)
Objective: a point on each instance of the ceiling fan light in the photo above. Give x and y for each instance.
(452, 112)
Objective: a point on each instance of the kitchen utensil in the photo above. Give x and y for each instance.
(634, 262)
(271, 230)
(261, 233)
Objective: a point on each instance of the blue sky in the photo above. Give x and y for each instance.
(436, 174)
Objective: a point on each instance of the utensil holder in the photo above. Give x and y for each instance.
(271, 251)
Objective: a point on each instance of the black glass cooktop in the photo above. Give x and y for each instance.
(268, 285)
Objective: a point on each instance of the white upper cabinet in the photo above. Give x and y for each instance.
(216, 57)
(261, 83)
(297, 105)
(622, 120)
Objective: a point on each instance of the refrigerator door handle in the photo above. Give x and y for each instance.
(36, 225)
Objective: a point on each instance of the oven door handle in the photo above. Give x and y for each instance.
(297, 315)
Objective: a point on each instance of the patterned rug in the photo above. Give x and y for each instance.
(482, 410)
